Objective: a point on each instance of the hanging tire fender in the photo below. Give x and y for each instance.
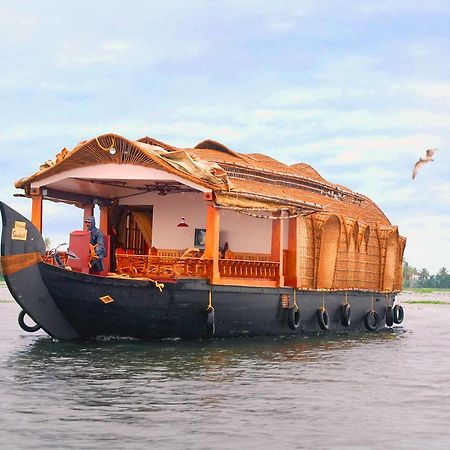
(24, 326)
(293, 317)
(371, 320)
(399, 314)
(345, 314)
(323, 318)
(389, 316)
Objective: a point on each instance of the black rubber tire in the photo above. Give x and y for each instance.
(389, 316)
(371, 320)
(24, 326)
(210, 323)
(345, 314)
(323, 318)
(293, 318)
(399, 314)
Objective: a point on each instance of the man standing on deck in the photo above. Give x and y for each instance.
(98, 244)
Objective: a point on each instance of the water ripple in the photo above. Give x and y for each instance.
(366, 390)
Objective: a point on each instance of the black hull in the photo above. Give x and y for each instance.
(68, 305)
(140, 310)
(26, 285)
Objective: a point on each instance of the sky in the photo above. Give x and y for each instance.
(357, 89)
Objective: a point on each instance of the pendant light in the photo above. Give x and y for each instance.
(183, 223)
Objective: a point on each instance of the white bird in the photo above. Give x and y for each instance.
(423, 161)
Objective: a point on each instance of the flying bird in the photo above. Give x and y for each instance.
(423, 161)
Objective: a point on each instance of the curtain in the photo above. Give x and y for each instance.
(145, 225)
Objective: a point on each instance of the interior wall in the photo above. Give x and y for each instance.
(243, 233)
(167, 213)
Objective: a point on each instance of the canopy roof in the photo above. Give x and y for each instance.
(246, 181)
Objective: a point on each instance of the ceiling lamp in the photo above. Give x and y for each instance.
(183, 223)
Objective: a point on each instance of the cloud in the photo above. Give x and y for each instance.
(358, 90)
(303, 96)
(428, 241)
(126, 54)
(377, 8)
(280, 25)
(16, 27)
(75, 53)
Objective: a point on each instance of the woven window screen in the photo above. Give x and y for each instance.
(399, 268)
(329, 246)
(305, 249)
(342, 276)
(390, 261)
(373, 260)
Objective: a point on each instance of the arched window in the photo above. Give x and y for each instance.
(353, 248)
(390, 261)
(328, 252)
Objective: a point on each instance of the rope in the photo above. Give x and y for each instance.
(104, 148)
(210, 306)
(388, 299)
(125, 276)
(158, 285)
(262, 216)
(295, 299)
(346, 298)
(323, 300)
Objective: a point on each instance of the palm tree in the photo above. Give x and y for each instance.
(443, 278)
(424, 276)
(47, 242)
(408, 273)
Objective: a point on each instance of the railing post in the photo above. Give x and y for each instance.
(88, 211)
(104, 213)
(277, 246)
(212, 240)
(36, 208)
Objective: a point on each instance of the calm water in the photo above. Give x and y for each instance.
(383, 390)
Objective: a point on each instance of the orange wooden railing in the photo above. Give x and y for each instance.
(177, 267)
(235, 268)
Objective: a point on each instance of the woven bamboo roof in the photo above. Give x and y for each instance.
(96, 151)
(255, 177)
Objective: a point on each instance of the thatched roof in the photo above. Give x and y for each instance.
(248, 177)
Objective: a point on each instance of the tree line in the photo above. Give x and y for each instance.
(413, 277)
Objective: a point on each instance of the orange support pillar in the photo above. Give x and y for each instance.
(104, 219)
(292, 269)
(277, 246)
(36, 210)
(212, 240)
(88, 211)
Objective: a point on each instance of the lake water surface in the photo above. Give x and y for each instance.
(360, 391)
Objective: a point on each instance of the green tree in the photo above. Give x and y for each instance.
(47, 242)
(442, 278)
(408, 274)
(424, 276)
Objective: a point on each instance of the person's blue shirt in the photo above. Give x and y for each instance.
(98, 241)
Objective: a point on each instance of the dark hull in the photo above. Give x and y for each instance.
(140, 310)
(68, 304)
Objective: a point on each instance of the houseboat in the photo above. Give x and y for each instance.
(200, 242)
